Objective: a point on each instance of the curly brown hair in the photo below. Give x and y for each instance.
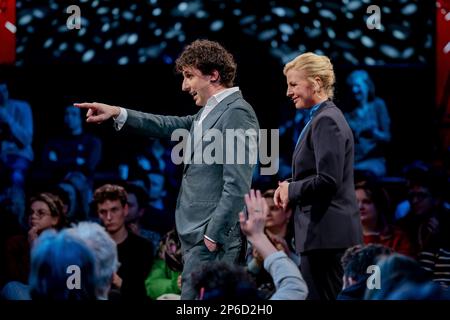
(207, 56)
(110, 192)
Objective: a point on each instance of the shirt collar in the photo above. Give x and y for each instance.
(218, 97)
(315, 108)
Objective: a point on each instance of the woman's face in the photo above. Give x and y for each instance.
(367, 210)
(300, 90)
(41, 217)
(277, 217)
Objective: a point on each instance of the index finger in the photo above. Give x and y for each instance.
(85, 105)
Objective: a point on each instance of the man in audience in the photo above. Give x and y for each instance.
(135, 252)
(73, 150)
(137, 205)
(355, 262)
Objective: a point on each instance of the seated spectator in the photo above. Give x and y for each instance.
(159, 215)
(75, 192)
(16, 153)
(355, 263)
(52, 259)
(219, 281)
(45, 212)
(426, 208)
(370, 123)
(73, 150)
(402, 278)
(374, 206)
(135, 253)
(165, 275)
(105, 254)
(137, 205)
(435, 258)
(279, 229)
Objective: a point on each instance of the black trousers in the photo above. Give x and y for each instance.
(322, 271)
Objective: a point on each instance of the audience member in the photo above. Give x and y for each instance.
(135, 253)
(165, 275)
(356, 262)
(16, 153)
(402, 278)
(280, 231)
(53, 275)
(373, 205)
(220, 281)
(74, 150)
(370, 123)
(105, 254)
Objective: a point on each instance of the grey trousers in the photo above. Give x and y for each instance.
(199, 255)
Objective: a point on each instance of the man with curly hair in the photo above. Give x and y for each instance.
(211, 194)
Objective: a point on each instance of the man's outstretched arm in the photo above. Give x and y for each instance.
(139, 122)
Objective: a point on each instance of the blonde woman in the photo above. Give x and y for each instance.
(321, 189)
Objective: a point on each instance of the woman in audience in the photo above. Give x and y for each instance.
(370, 123)
(45, 212)
(279, 229)
(373, 206)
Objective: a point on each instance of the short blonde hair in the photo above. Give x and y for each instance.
(315, 66)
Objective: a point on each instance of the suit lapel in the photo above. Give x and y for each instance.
(217, 111)
(191, 135)
(210, 120)
(327, 104)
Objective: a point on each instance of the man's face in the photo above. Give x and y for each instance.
(133, 208)
(420, 199)
(197, 85)
(112, 214)
(72, 118)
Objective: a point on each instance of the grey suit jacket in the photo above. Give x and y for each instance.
(322, 188)
(211, 195)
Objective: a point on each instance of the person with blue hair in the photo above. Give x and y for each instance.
(62, 268)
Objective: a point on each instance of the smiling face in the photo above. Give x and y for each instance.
(300, 89)
(198, 85)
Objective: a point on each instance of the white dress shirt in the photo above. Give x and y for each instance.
(210, 104)
(215, 100)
